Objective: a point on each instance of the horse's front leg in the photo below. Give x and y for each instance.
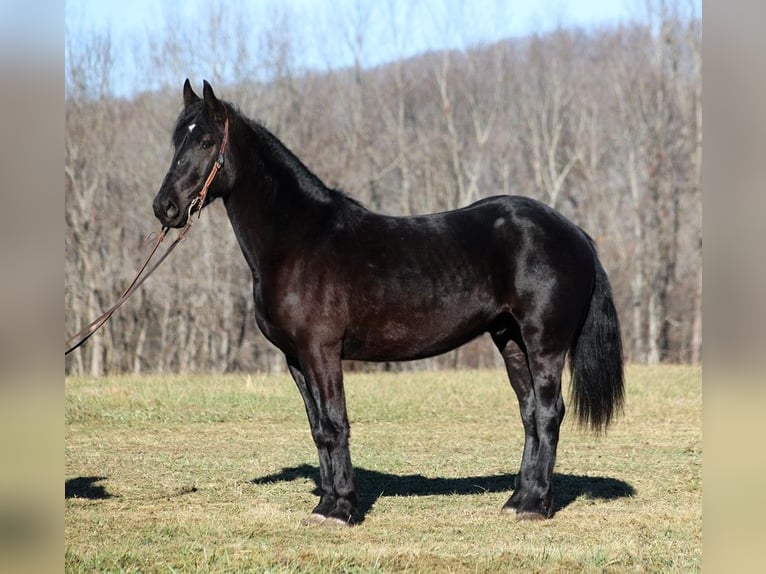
(319, 378)
(327, 492)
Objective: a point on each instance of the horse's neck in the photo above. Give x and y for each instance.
(275, 199)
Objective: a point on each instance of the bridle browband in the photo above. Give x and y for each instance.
(86, 332)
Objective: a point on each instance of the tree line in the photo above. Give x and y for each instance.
(605, 125)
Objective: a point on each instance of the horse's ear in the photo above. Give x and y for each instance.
(214, 106)
(189, 96)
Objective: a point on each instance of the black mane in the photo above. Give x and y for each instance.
(280, 158)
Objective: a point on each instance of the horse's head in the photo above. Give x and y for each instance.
(198, 139)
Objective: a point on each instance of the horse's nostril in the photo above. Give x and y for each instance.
(171, 209)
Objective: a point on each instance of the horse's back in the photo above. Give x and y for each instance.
(419, 286)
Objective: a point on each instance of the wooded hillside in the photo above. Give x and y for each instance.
(605, 125)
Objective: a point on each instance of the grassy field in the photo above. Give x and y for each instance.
(215, 474)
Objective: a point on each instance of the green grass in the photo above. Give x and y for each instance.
(215, 474)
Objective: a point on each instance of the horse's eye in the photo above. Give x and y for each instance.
(205, 144)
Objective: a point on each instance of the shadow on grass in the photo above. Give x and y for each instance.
(372, 484)
(85, 487)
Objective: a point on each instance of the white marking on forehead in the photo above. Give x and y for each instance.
(191, 127)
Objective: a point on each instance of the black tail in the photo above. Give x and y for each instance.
(595, 359)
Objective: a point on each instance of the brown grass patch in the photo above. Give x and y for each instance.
(215, 474)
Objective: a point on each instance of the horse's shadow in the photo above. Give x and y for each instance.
(86, 487)
(373, 484)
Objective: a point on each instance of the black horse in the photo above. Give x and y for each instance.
(332, 280)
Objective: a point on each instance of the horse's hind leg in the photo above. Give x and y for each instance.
(319, 378)
(521, 381)
(546, 372)
(536, 379)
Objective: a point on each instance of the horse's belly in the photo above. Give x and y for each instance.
(411, 336)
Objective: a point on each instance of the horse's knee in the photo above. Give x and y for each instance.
(330, 435)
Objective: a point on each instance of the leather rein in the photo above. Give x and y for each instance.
(86, 332)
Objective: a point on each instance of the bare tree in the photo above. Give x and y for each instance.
(548, 116)
(88, 142)
(661, 159)
(604, 125)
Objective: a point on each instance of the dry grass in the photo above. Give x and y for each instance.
(214, 474)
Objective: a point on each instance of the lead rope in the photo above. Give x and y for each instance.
(86, 332)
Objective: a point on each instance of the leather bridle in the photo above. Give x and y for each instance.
(200, 199)
(86, 332)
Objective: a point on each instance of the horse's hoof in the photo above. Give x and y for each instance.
(529, 516)
(314, 520)
(525, 514)
(332, 522)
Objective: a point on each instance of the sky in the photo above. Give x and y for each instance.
(139, 14)
(418, 26)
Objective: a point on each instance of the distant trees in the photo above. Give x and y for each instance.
(604, 125)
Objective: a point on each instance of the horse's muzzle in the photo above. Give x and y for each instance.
(168, 212)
